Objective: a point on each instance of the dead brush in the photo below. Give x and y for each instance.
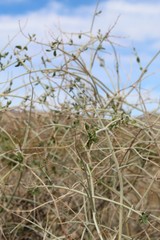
(75, 161)
(72, 186)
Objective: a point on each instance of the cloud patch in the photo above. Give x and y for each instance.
(137, 20)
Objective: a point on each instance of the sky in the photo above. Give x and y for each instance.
(137, 26)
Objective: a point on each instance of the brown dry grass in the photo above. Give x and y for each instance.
(55, 184)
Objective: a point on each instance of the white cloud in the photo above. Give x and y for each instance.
(138, 21)
(42, 22)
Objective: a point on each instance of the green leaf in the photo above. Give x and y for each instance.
(19, 47)
(144, 218)
(54, 74)
(18, 64)
(43, 61)
(55, 53)
(138, 59)
(97, 13)
(87, 126)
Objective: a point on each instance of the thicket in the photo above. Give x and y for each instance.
(75, 162)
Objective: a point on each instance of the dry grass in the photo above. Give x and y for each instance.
(57, 185)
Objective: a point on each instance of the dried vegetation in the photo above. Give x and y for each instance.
(82, 167)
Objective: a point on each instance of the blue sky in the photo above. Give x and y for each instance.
(14, 7)
(20, 6)
(138, 26)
